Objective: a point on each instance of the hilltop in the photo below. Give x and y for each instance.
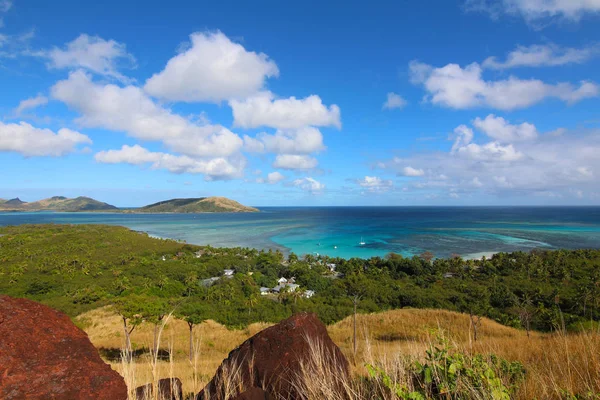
(57, 203)
(196, 205)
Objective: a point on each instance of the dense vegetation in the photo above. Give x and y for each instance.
(76, 268)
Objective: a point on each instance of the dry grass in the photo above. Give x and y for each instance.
(554, 362)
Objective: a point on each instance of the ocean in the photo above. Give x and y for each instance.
(338, 231)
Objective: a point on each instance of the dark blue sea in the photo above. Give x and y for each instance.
(339, 231)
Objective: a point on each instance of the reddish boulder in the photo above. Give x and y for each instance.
(271, 360)
(168, 389)
(254, 394)
(44, 356)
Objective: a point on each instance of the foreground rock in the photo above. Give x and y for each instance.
(168, 389)
(44, 356)
(271, 361)
(254, 394)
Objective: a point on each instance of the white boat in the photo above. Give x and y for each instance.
(335, 247)
(362, 242)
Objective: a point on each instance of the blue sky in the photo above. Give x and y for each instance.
(474, 102)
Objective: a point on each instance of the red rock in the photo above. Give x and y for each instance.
(43, 355)
(168, 389)
(254, 394)
(271, 359)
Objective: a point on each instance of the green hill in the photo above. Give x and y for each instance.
(196, 205)
(57, 203)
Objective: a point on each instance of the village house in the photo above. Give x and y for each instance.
(265, 291)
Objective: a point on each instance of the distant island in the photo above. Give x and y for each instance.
(195, 205)
(64, 204)
(57, 203)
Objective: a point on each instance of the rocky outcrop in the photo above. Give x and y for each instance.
(254, 394)
(43, 355)
(271, 361)
(168, 389)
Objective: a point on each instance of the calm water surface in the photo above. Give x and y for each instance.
(337, 231)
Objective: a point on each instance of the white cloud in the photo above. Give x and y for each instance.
(535, 10)
(31, 103)
(301, 141)
(463, 136)
(375, 184)
(490, 152)
(253, 145)
(130, 110)
(394, 101)
(410, 171)
(30, 141)
(215, 168)
(542, 55)
(212, 69)
(93, 53)
(291, 113)
(275, 177)
(309, 185)
(498, 128)
(463, 88)
(547, 163)
(476, 182)
(293, 161)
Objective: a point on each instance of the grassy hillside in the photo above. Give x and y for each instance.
(57, 203)
(555, 364)
(78, 268)
(196, 205)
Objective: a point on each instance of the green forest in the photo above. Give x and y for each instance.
(75, 268)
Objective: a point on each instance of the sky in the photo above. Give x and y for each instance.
(391, 103)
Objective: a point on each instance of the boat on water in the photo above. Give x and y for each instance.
(362, 242)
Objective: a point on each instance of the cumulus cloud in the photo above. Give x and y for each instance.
(500, 129)
(31, 103)
(264, 109)
(548, 55)
(463, 88)
(214, 168)
(535, 10)
(30, 141)
(130, 110)
(299, 141)
(375, 184)
(410, 171)
(293, 161)
(212, 69)
(543, 164)
(309, 184)
(463, 136)
(394, 101)
(93, 53)
(212, 150)
(275, 177)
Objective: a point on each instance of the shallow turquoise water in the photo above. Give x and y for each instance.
(337, 231)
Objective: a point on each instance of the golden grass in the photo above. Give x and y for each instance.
(554, 362)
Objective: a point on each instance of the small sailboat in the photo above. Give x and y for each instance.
(362, 242)
(335, 247)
